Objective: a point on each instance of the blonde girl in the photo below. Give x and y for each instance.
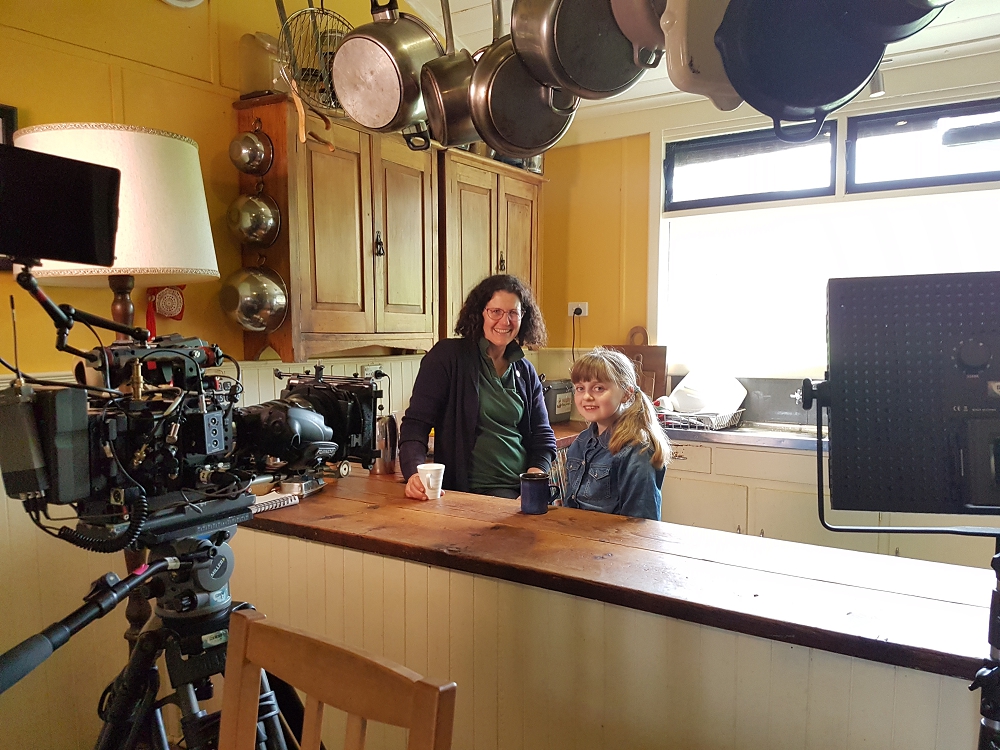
(617, 464)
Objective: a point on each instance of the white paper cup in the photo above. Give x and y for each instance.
(431, 475)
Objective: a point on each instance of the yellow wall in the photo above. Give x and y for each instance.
(145, 63)
(594, 237)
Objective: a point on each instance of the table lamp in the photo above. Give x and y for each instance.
(164, 235)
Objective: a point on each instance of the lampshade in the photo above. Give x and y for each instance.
(164, 235)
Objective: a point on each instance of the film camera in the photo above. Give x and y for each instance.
(159, 455)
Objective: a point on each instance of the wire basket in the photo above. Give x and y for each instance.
(701, 421)
(308, 42)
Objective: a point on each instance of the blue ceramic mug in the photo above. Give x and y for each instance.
(535, 494)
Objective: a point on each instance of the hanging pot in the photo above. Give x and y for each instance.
(693, 62)
(444, 84)
(881, 21)
(639, 21)
(574, 45)
(376, 73)
(254, 219)
(515, 114)
(253, 152)
(256, 298)
(791, 61)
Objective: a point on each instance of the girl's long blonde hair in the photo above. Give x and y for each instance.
(636, 423)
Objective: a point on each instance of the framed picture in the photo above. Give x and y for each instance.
(8, 124)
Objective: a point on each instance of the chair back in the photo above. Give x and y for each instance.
(365, 686)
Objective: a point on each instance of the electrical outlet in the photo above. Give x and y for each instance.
(581, 305)
(368, 371)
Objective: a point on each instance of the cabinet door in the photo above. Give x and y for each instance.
(518, 239)
(336, 284)
(710, 505)
(470, 234)
(975, 551)
(403, 188)
(794, 517)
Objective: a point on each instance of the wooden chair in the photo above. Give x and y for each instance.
(366, 687)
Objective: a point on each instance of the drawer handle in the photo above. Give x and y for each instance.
(678, 457)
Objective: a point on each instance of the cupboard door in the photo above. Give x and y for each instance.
(710, 505)
(794, 517)
(403, 247)
(470, 235)
(336, 282)
(518, 238)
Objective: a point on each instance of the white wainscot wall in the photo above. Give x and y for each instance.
(540, 669)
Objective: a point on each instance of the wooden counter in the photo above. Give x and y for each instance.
(909, 613)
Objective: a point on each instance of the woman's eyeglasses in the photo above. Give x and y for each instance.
(496, 313)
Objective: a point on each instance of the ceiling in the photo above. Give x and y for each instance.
(964, 26)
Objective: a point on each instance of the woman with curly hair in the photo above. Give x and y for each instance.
(482, 397)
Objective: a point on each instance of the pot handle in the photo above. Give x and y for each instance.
(417, 137)
(390, 7)
(562, 110)
(644, 57)
(808, 135)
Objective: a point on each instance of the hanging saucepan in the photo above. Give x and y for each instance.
(882, 21)
(639, 21)
(791, 61)
(253, 152)
(574, 45)
(376, 73)
(254, 219)
(513, 113)
(444, 83)
(256, 298)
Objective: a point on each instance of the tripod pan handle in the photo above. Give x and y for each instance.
(23, 658)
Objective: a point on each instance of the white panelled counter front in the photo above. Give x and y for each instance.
(583, 630)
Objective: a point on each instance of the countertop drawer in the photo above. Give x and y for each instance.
(688, 457)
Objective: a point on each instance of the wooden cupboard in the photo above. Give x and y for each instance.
(358, 244)
(489, 224)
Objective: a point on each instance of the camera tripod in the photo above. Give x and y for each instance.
(189, 580)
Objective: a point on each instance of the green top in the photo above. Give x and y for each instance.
(499, 455)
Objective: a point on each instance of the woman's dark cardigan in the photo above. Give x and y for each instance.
(446, 397)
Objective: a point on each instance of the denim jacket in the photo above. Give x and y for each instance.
(625, 483)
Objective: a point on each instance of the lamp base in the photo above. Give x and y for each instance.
(122, 309)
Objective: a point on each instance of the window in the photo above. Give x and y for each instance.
(744, 292)
(747, 168)
(925, 147)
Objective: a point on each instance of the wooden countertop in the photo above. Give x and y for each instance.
(910, 613)
(566, 432)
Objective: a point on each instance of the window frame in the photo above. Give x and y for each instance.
(747, 137)
(854, 123)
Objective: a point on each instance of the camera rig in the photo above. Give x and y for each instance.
(159, 456)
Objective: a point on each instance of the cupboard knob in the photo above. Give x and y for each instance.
(379, 245)
(503, 264)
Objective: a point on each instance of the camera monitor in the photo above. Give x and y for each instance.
(914, 389)
(57, 208)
